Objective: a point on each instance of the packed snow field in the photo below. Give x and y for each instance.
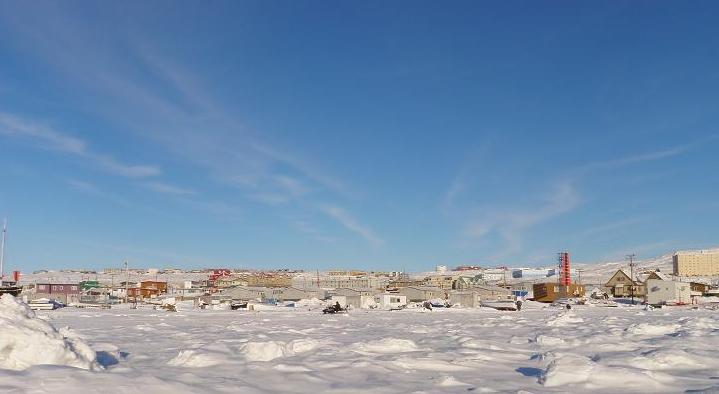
(540, 349)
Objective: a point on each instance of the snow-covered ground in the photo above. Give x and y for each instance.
(540, 349)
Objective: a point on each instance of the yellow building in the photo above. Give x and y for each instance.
(553, 291)
(696, 264)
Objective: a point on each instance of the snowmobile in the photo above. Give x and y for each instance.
(336, 308)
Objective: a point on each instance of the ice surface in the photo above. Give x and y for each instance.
(285, 350)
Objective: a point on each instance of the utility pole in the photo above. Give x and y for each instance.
(127, 279)
(579, 273)
(2, 250)
(631, 273)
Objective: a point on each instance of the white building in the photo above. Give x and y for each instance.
(440, 269)
(355, 301)
(465, 299)
(660, 292)
(532, 273)
(390, 301)
(493, 275)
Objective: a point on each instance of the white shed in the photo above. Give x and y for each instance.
(466, 299)
(390, 301)
(347, 300)
(661, 292)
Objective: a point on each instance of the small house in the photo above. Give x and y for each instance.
(423, 293)
(489, 292)
(355, 301)
(552, 291)
(63, 292)
(464, 298)
(242, 293)
(148, 289)
(89, 284)
(621, 285)
(698, 288)
(390, 301)
(662, 292)
(296, 294)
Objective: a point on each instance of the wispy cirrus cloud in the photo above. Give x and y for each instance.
(93, 190)
(649, 156)
(83, 186)
(612, 226)
(509, 223)
(308, 228)
(46, 137)
(155, 95)
(166, 188)
(350, 223)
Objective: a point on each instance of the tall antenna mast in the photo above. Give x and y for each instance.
(2, 249)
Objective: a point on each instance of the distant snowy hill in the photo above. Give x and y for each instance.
(600, 272)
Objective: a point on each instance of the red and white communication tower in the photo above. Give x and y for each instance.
(565, 273)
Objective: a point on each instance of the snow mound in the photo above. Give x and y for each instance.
(652, 329)
(26, 340)
(451, 381)
(548, 340)
(429, 364)
(270, 350)
(703, 323)
(577, 370)
(668, 359)
(567, 370)
(195, 359)
(386, 345)
(564, 320)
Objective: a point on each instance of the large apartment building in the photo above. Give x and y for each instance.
(701, 263)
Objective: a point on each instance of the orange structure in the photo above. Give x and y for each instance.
(148, 289)
(565, 273)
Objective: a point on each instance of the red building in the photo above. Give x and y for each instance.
(217, 273)
(64, 292)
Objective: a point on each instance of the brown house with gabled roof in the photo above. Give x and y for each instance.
(620, 285)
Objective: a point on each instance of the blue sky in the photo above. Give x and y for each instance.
(378, 135)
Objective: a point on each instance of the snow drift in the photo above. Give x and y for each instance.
(270, 350)
(26, 341)
(386, 345)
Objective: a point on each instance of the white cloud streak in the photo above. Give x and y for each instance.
(48, 138)
(510, 224)
(650, 156)
(351, 224)
(165, 188)
(182, 118)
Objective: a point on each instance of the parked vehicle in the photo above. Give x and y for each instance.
(45, 304)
